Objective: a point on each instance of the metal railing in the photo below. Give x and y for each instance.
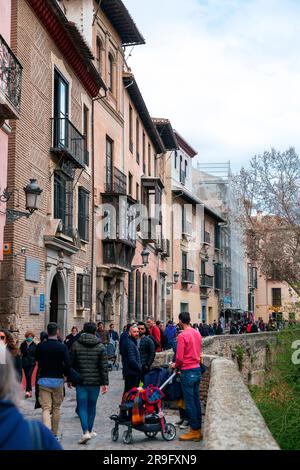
(206, 280)
(10, 75)
(116, 182)
(67, 138)
(188, 276)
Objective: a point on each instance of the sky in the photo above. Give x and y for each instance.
(225, 72)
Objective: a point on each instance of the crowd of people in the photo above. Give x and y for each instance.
(81, 361)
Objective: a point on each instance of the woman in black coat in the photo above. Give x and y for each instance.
(28, 348)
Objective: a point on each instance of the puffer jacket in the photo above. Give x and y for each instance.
(89, 358)
(147, 351)
(131, 357)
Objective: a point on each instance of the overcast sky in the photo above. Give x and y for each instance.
(225, 72)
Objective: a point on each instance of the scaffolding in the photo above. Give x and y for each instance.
(213, 185)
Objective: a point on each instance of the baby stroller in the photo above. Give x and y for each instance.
(112, 356)
(145, 414)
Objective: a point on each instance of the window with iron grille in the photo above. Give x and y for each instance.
(86, 134)
(63, 202)
(83, 283)
(83, 213)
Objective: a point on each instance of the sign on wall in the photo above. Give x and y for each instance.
(32, 270)
(42, 303)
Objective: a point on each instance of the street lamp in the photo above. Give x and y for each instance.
(145, 259)
(32, 195)
(175, 277)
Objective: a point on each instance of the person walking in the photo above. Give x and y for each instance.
(102, 333)
(146, 349)
(7, 339)
(89, 359)
(28, 349)
(189, 347)
(113, 335)
(17, 433)
(73, 336)
(154, 332)
(53, 363)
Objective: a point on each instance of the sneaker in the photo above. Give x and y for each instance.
(93, 434)
(85, 437)
(184, 425)
(28, 395)
(178, 423)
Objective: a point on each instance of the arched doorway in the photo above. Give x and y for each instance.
(58, 304)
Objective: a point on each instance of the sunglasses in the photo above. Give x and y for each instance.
(2, 337)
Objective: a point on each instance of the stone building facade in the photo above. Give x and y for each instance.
(47, 275)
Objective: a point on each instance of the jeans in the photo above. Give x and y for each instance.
(51, 400)
(190, 383)
(28, 371)
(87, 397)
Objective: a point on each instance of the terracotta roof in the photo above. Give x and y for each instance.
(70, 42)
(185, 145)
(122, 21)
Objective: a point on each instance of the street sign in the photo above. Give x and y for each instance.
(42, 303)
(7, 248)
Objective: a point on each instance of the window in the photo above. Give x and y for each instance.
(184, 261)
(276, 297)
(83, 284)
(145, 297)
(184, 307)
(149, 159)
(63, 202)
(175, 160)
(137, 191)
(185, 168)
(110, 72)
(217, 237)
(61, 110)
(86, 134)
(130, 129)
(203, 267)
(83, 214)
(138, 296)
(130, 183)
(109, 164)
(137, 140)
(150, 301)
(98, 55)
(144, 153)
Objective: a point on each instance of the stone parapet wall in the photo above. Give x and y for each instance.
(232, 420)
(250, 352)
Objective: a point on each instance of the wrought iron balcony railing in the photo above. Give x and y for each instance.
(116, 181)
(206, 280)
(10, 82)
(69, 141)
(187, 276)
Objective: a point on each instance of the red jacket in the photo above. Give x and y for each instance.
(155, 332)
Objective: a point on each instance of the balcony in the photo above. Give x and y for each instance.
(206, 281)
(116, 183)
(68, 142)
(149, 231)
(206, 238)
(166, 248)
(118, 254)
(10, 83)
(187, 229)
(187, 276)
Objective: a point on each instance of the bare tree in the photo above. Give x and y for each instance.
(269, 211)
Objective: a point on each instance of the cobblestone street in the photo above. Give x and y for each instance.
(107, 405)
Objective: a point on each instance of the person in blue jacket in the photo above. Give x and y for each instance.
(17, 433)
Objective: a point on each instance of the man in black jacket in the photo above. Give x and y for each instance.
(89, 359)
(146, 348)
(53, 363)
(131, 360)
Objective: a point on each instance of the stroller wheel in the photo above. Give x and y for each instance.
(127, 437)
(151, 435)
(170, 432)
(114, 434)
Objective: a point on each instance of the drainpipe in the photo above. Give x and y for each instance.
(93, 216)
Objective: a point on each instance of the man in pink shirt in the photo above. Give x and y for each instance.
(188, 354)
